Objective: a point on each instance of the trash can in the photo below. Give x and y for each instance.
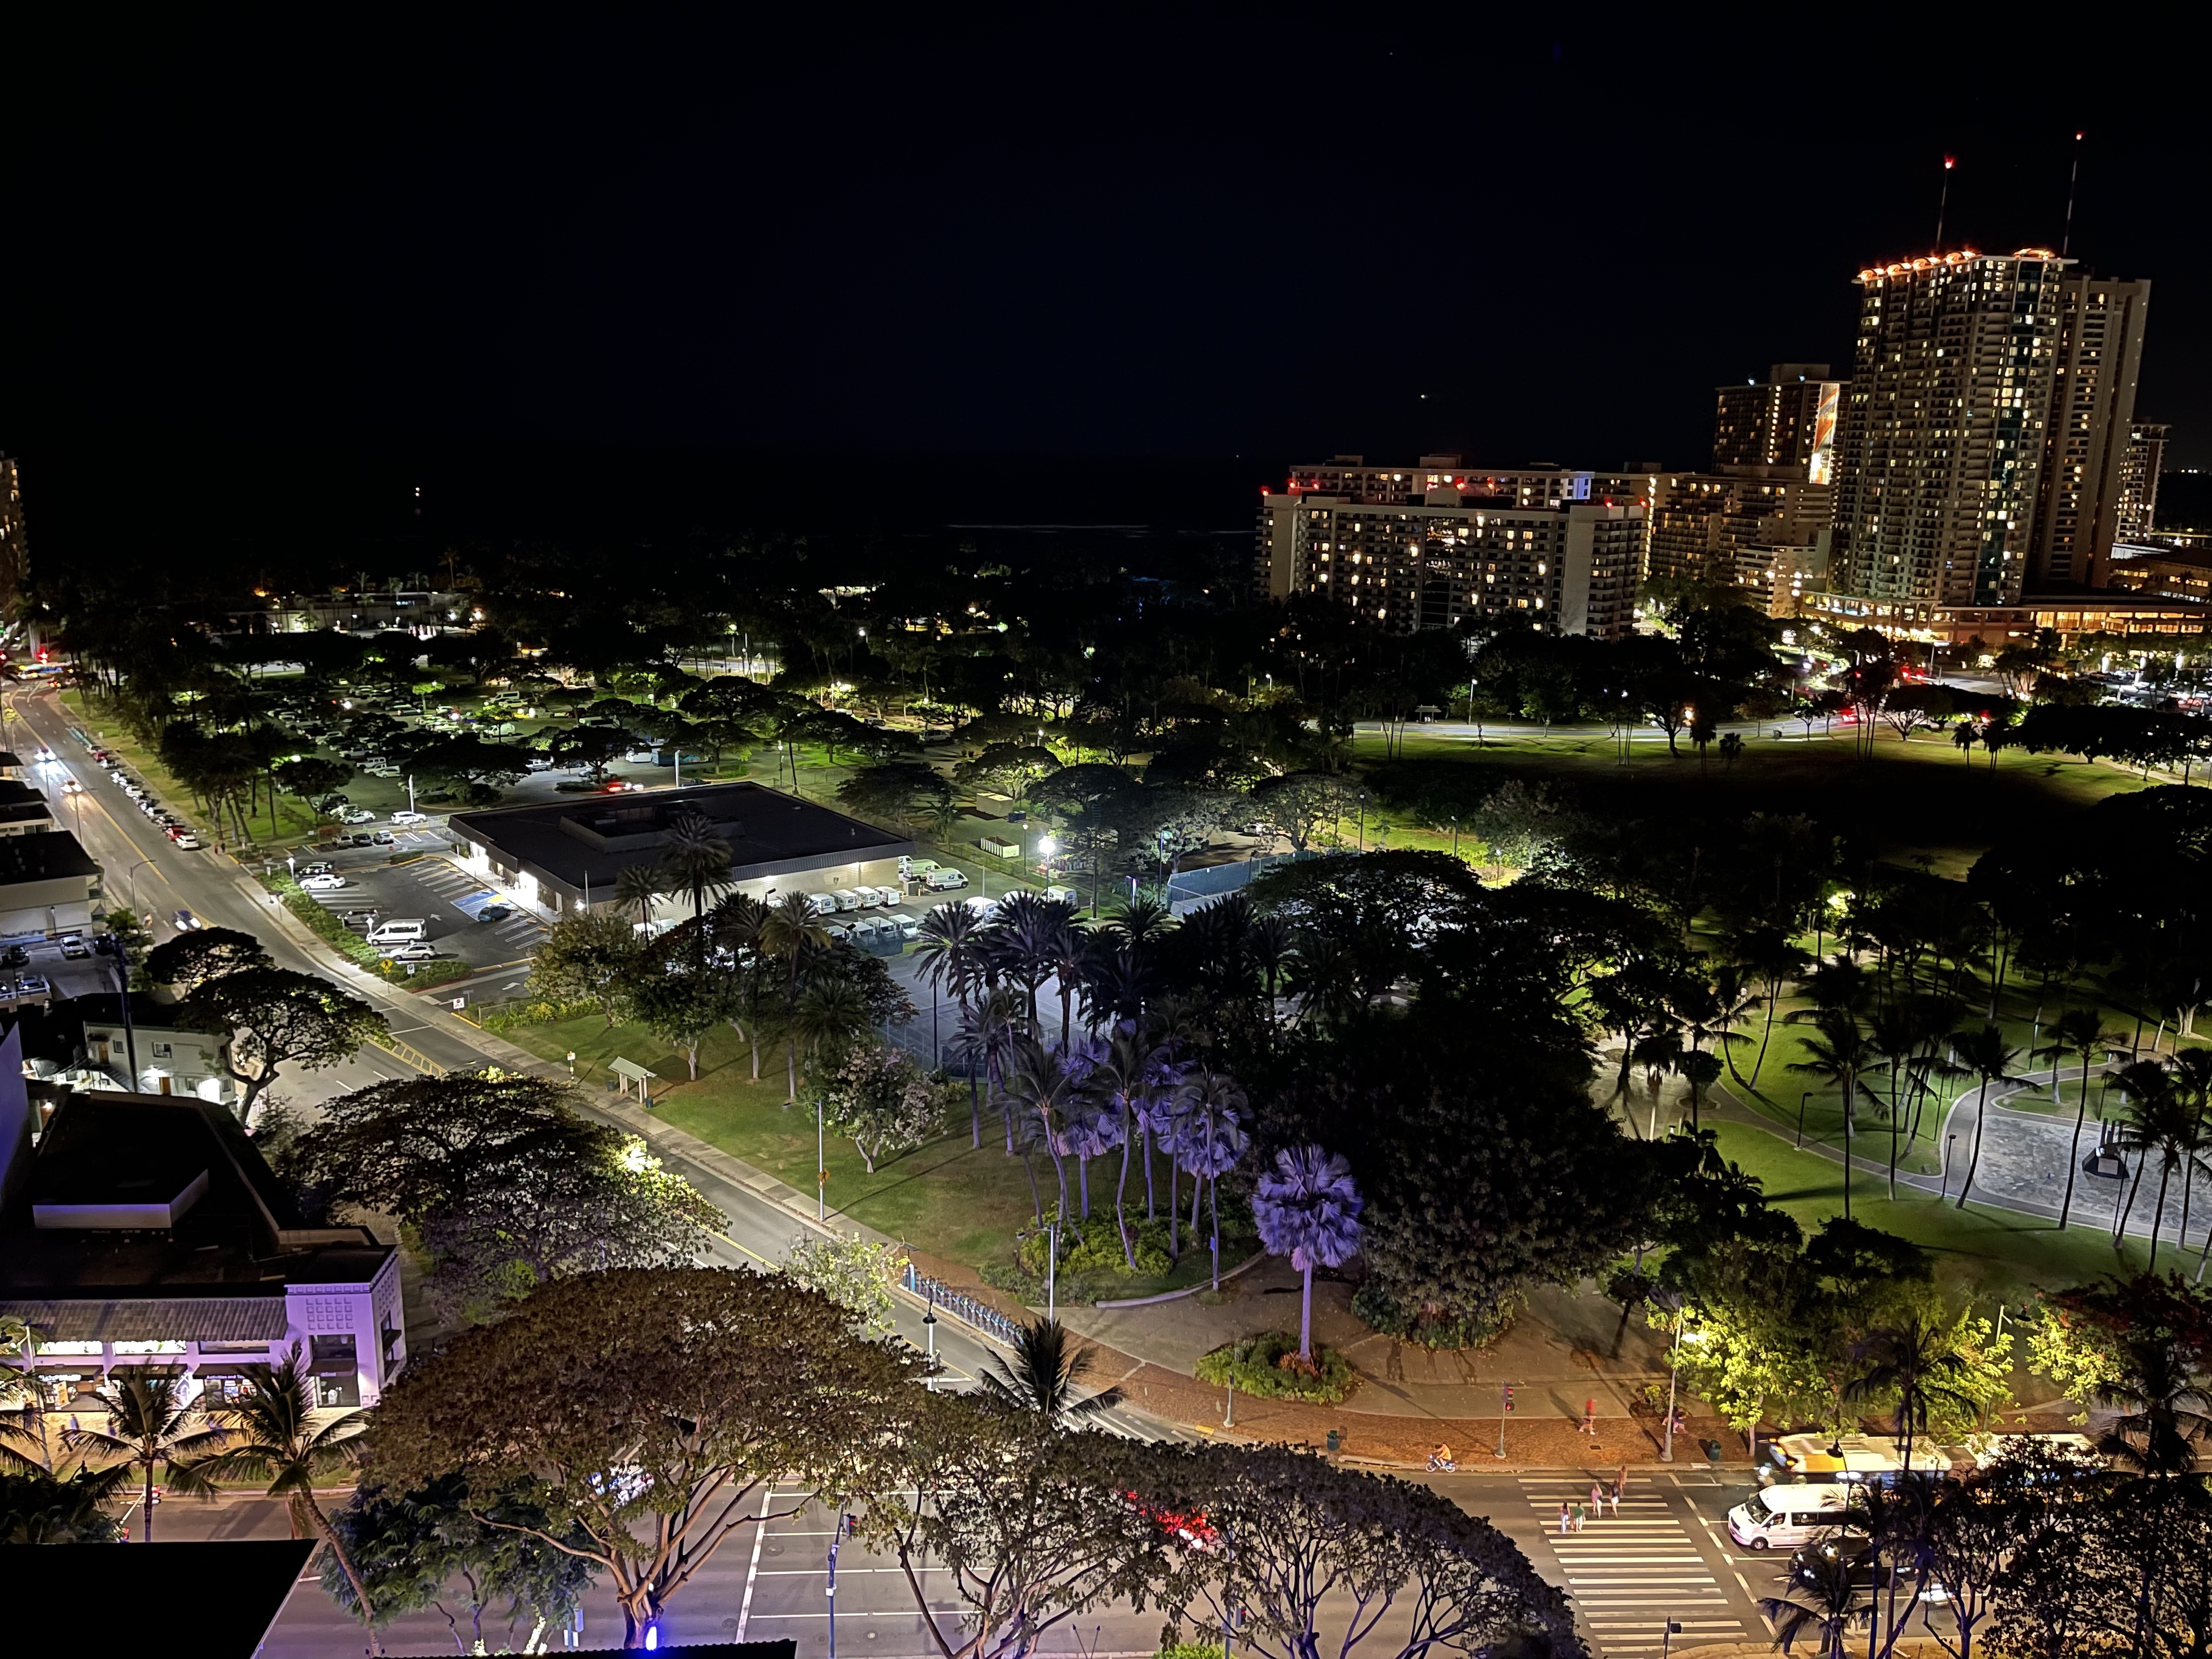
(1711, 1449)
(1335, 1439)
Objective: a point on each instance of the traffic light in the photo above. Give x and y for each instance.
(1508, 1399)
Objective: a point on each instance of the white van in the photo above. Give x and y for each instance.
(889, 896)
(944, 881)
(823, 904)
(400, 930)
(1784, 1517)
(846, 897)
(1062, 896)
(914, 869)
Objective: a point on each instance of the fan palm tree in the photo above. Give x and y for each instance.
(1822, 1607)
(1986, 1057)
(1123, 1077)
(1841, 1056)
(1308, 1209)
(153, 1428)
(1212, 1140)
(789, 932)
(2077, 1031)
(830, 1013)
(640, 885)
(1039, 1380)
(280, 1436)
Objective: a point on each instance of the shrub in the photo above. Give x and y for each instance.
(1257, 1364)
(1094, 1246)
(1380, 1313)
(1190, 1651)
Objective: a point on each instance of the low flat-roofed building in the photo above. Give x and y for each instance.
(147, 1231)
(2070, 615)
(47, 885)
(2167, 573)
(565, 855)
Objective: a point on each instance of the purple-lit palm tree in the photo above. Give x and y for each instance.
(1307, 1208)
(1123, 1079)
(1212, 1139)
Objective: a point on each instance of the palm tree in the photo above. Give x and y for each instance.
(2163, 1408)
(1915, 1360)
(696, 859)
(153, 1428)
(1822, 1608)
(953, 952)
(1039, 1380)
(1308, 1210)
(1270, 945)
(736, 923)
(790, 931)
(1212, 1142)
(2077, 1031)
(1894, 1031)
(279, 1435)
(830, 1013)
(1841, 1056)
(640, 885)
(1984, 1055)
(1124, 1077)
(2156, 1119)
(1141, 923)
(1047, 1091)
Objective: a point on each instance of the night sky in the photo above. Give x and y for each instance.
(1109, 234)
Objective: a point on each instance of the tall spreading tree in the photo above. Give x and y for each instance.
(644, 1411)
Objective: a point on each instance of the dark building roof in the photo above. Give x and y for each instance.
(205, 1237)
(42, 856)
(25, 812)
(219, 1600)
(14, 792)
(574, 843)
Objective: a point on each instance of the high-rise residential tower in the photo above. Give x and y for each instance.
(15, 557)
(2093, 407)
(1783, 427)
(1940, 452)
(2140, 466)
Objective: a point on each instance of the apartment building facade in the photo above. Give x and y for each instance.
(1449, 558)
(2082, 506)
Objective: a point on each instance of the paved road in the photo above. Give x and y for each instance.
(1667, 1555)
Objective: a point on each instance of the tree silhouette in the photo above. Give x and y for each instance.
(152, 1428)
(1985, 1056)
(2077, 1031)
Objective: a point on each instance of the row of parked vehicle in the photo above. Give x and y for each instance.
(168, 823)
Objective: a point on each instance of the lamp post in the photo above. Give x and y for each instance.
(130, 883)
(1052, 1270)
(1947, 1140)
(821, 1167)
(572, 1062)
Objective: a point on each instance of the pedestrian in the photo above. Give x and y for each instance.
(1579, 1515)
(1589, 1418)
(1597, 1498)
(1566, 1519)
(1613, 1497)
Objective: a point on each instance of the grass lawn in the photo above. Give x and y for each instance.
(1980, 1253)
(956, 1201)
(1912, 799)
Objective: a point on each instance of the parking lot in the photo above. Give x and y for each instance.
(450, 900)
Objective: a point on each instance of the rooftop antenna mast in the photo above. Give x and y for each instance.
(2072, 179)
(1943, 201)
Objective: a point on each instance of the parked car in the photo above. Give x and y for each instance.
(406, 816)
(496, 913)
(356, 815)
(74, 948)
(320, 867)
(382, 838)
(14, 957)
(321, 883)
(418, 951)
(189, 841)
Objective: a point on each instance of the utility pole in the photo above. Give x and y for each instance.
(1504, 1411)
